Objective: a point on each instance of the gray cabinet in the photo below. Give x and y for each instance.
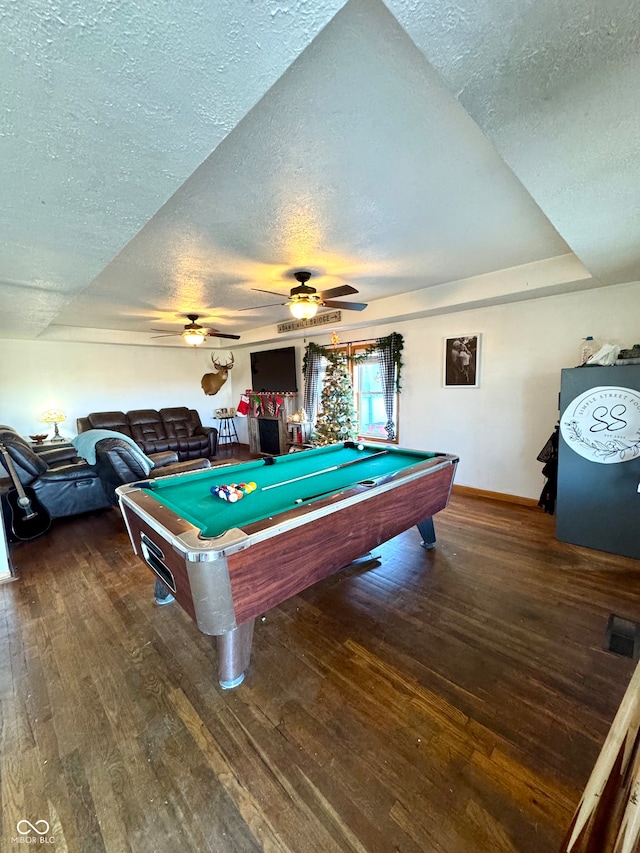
(598, 504)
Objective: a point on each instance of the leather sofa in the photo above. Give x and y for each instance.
(178, 429)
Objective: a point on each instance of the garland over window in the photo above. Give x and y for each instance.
(391, 346)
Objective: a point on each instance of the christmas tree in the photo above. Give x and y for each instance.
(337, 420)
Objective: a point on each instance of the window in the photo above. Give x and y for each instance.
(369, 397)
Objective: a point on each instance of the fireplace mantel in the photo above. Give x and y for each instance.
(270, 439)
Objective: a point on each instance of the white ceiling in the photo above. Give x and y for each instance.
(164, 159)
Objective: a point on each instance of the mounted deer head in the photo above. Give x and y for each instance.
(212, 382)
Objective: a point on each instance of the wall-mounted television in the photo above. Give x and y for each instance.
(274, 370)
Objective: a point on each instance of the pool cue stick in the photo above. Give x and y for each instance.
(338, 490)
(323, 471)
(319, 495)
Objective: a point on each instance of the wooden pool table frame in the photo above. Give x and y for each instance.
(225, 582)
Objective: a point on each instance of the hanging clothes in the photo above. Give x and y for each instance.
(549, 455)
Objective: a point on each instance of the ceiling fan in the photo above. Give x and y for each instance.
(305, 300)
(194, 334)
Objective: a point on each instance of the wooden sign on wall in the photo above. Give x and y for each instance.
(318, 320)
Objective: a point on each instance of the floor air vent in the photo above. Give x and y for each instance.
(623, 637)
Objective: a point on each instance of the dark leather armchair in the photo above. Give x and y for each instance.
(63, 483)
(117, 464)
(186, 433)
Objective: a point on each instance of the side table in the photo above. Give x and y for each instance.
(227, 433)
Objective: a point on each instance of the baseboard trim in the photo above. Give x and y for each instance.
(495, 496)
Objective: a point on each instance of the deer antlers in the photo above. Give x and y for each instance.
(223, 367)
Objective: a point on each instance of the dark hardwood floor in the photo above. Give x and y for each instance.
(452, 700)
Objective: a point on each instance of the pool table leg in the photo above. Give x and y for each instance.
(428, 533)
(234, 652)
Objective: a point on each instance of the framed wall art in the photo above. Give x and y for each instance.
(462, 361)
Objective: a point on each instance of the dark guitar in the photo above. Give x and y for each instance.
(28, 518)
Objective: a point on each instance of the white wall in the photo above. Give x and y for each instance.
(84, 378)
(496, 429)
(499, 428)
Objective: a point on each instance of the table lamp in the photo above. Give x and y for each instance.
(54, 416)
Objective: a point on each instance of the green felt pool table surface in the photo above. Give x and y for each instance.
(190, 496)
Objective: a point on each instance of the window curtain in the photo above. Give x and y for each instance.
(312, 369)
(388, 350)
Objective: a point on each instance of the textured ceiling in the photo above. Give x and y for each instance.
(166, 159)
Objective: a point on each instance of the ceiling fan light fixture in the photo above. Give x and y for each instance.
(193, 337)
(302, 309)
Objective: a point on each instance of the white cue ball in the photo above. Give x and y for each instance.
(361, 447)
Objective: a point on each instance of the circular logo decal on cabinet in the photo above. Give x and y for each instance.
(603, 424)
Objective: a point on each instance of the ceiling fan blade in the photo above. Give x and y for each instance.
(343, 290)
(272, 292)
(348, 306)
(212, 333)
(166, 335)
(258, 307)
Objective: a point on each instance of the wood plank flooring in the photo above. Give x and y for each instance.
(449, 701)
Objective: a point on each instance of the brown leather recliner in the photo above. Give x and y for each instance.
(116, 421)
(64, 486)
(187, 435)
(148, 431)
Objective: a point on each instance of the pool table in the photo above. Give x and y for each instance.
(310, 514)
